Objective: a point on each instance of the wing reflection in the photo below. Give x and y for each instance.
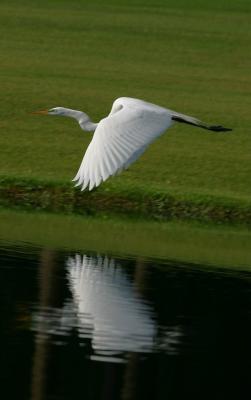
(105, 309)
(109, 306)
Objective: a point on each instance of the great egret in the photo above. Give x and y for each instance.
(123, 136)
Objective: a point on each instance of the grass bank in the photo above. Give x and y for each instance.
(193, 56)
(190, 243)
(47, 196)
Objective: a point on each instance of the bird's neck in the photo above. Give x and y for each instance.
(88, 126)
(83, 119)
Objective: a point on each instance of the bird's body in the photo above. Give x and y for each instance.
(121, 137)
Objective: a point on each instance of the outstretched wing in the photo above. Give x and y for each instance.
(186, 119)
(120, 139)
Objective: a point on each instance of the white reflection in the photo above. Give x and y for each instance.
(109, 306)
(106, 308)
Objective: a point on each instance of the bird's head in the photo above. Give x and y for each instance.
(82, 118)
(53, 111)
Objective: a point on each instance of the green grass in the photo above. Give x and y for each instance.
(203, 245)
(34, 194)
(192, 56)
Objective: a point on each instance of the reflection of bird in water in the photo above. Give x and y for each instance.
(107, 308)
(109, 305)
(122, 136)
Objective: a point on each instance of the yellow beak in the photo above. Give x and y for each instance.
(40, 112)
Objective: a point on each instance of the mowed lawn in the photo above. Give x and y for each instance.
(190, 56)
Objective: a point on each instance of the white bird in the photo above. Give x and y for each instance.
(121, 137)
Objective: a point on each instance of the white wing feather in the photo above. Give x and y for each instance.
(120, 139)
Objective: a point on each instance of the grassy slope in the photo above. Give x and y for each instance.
(190, 243)
(193, 56)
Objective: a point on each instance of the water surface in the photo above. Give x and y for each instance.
(94, 326)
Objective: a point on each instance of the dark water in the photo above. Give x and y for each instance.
(91, 326)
